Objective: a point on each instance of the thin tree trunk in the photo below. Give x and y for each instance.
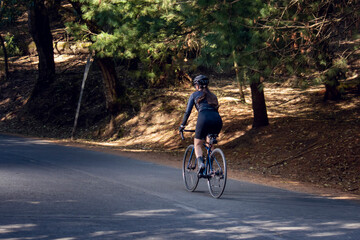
(87, 68)
(5, 57)
(332, 92)
(258, 105)
(240, 82)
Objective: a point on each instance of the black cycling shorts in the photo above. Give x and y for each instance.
(208, 122)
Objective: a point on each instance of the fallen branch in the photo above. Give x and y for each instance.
(71, 65)
(308, 149)
(289, 100)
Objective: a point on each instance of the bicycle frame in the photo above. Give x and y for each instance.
(215, 170)
(208, 147)
(208, 163)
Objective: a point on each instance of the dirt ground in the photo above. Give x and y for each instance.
(310, 145)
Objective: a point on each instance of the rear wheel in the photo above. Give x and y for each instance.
(218, 173)
(190, 169)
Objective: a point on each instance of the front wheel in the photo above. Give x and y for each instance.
(217, 173)
(190, 169)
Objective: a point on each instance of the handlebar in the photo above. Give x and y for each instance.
(182, 133)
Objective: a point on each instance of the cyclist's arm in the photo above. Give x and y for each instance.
(189, 107)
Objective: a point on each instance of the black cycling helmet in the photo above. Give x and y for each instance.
(201, 80)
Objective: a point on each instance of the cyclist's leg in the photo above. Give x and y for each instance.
(198, 143)
(199, 154)
(215, 123)
(200, 135)
(214, 126)
(208, 140)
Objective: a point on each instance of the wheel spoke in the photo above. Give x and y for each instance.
(217, 181)
(189, 169)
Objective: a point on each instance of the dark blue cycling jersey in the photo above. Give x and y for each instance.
(201, 106)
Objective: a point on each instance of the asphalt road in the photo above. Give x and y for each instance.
(49, 191)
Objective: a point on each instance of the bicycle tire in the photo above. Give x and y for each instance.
(218, 173)
(190, 169)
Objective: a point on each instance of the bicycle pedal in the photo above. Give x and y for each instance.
(202, 175)
(191, 167)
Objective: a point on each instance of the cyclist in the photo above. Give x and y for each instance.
(209, 120)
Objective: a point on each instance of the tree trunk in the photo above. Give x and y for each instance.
(115, 93)
(39, 27)
(240, 82)
(258, 105)
(53, 9)
(5, 57)
(331, 90)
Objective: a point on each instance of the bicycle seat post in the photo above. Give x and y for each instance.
(213, 139)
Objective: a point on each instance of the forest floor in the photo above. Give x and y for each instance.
(310, 145)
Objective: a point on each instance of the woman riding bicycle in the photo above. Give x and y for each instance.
(209, 120)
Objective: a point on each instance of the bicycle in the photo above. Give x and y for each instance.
(215, 167)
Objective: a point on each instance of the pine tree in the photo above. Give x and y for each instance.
(305, 36)
(147, 32)
(231, 40)
(9, 11)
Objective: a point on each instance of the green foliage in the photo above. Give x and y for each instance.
(271, 39)
(78, 31)
(12, 46)
(138, 29)
(304, 34)
(10, 10)
(229, 34)
(333, 74)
